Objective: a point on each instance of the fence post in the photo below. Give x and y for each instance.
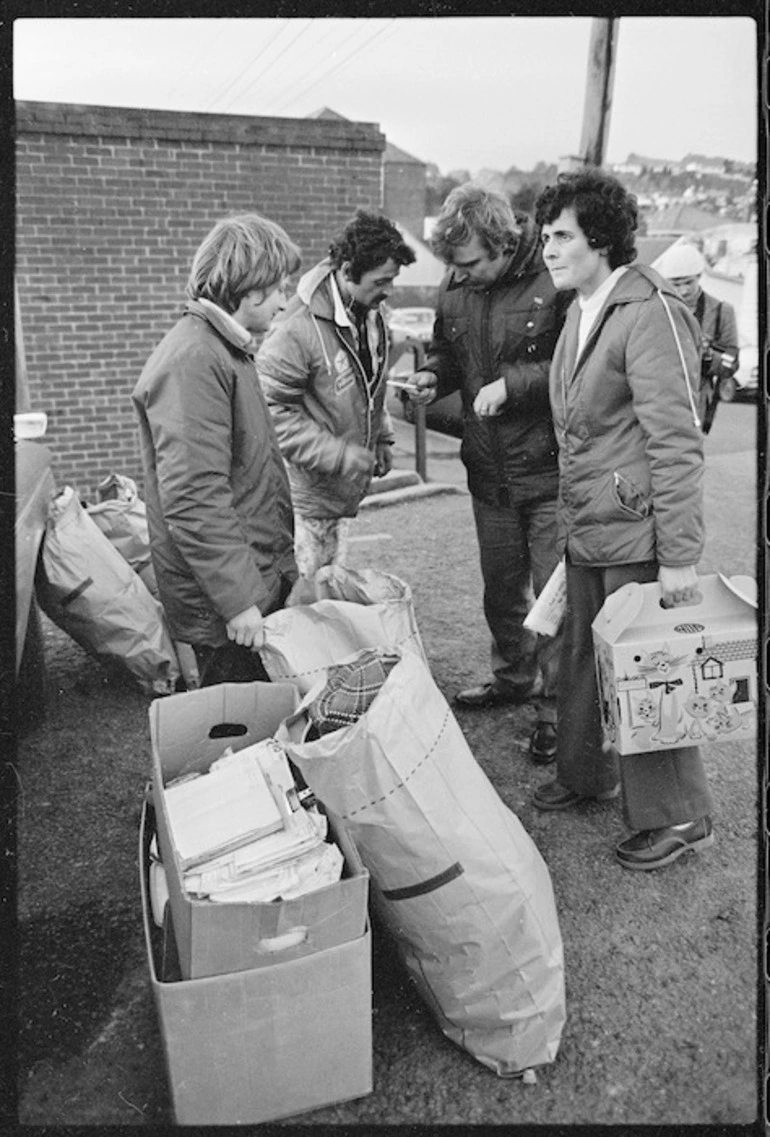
(420, 447)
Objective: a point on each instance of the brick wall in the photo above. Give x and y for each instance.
(111, 206)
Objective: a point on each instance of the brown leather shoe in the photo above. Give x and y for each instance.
(493, 695)
(653, 848)
(553, 795)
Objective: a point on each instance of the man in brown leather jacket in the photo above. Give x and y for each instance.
(497, 322)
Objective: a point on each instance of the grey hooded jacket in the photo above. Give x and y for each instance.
(625, 415)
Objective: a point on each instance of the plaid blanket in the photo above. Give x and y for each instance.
(350, 690)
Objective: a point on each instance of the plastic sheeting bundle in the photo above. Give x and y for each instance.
(455, 875)
(91, 592)
(342, 611)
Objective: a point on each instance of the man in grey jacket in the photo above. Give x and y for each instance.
(323, 370)
(218, 502)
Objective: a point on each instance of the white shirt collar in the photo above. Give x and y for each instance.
(594, 302)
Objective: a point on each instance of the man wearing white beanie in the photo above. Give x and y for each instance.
(682, 265)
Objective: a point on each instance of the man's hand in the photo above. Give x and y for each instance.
(421, 388)
(490, 399)
(383, 462)
(678, 586)
(357, 461)
(246, 628)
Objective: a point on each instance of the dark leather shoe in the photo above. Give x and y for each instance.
(493, 695)
(553, 795)
(653, 848)
(542, 744)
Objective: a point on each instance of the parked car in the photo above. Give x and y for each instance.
(411, 323)
(411, 330)
(746, 378)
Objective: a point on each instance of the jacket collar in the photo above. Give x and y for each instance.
(222, 322)
(639, 283)
(319, 291)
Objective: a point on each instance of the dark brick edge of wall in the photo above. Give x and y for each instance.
(177, 126)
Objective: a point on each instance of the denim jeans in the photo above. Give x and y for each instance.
(517, 547)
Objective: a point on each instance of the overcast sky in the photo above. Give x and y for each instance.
(463, 92)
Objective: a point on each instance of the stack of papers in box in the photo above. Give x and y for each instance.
(242, 834)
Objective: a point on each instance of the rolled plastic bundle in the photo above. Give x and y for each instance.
(454, 874)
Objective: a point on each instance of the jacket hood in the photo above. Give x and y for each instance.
(314, 289)
(639, 282)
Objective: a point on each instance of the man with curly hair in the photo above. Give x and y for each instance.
(323, 369)
(623, 387)
(497, 322)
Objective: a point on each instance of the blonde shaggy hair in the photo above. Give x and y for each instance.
(239, 255)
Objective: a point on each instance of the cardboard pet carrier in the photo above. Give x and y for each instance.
(672, 677)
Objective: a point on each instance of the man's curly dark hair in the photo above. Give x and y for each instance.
(604, 209)
(368, 241)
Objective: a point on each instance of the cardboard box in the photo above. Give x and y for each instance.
(672, 677)
(189, 732)
(264, 1044)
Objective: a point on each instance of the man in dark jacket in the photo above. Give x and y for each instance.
(497, 321)
(218, 502)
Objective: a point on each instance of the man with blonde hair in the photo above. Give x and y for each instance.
(497, 321)
(218, 502)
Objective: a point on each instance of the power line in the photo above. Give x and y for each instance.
(272, 63)
(324, 60)
(231, 83)
(336, 67)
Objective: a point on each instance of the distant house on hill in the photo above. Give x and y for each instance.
(652, 165)
(701, 164)
(403, 178)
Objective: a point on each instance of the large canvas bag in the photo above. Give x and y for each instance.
(454, 874)
(349, 610)
(93, 594)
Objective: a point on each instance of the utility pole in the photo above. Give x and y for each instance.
(598, 97)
